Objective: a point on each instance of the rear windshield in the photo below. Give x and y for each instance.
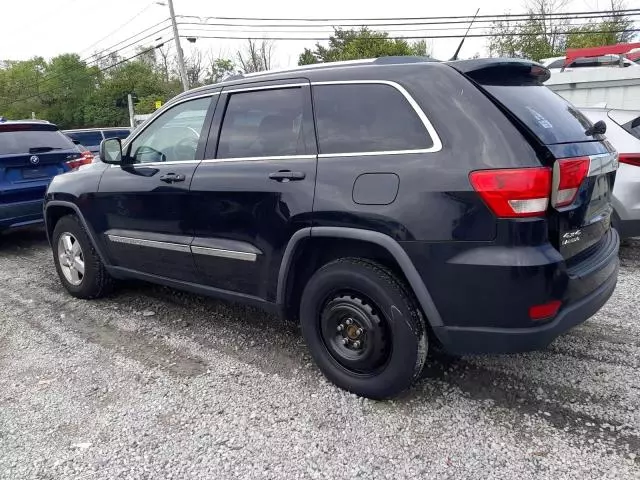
(551, 118)
(121, 134)
(33, 141)
(86, 138)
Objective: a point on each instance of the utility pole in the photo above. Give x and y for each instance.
(131, 112)
(176, 38)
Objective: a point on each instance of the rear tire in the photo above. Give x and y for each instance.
(78, 264)
(363, 328)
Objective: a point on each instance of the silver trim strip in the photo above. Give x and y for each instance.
(437, 143)
(242, 159)
(230, 88)
(158, 164)
(603, 163)
(218, 252)
(176, 247)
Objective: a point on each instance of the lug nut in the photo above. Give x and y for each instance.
(359, 331)
(356, 344)
(345, 341)
(340, 327)
(349, 321)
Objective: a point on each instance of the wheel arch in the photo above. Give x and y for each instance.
(376, 239)
(54, 210)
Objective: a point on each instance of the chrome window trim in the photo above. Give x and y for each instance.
(179, 247)
(435, 138)
(253, 159)
(157, 164)
(230, 89)
(219, 252)
(176, 247)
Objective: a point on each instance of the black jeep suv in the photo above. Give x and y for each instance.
(387, 205)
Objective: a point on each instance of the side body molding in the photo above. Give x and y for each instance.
(385, 241)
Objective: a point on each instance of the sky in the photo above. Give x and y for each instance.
(51, 27)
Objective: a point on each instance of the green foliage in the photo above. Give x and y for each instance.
(539, 37)
(73, 94)
(357, 44)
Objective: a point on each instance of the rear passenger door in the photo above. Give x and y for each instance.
(255, 188)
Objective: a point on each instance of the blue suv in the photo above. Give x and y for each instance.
(31, 154)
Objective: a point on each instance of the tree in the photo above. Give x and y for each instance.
(218, 68)
(543, 36)
(194, 67)
(364, 43)
(256, 56)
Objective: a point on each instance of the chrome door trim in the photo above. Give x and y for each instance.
(218, 252)
(176, 247)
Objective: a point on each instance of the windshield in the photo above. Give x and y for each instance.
(33, 141)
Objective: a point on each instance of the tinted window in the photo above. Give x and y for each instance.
(86, 138)
(556, 64)
(366, 118)
(122, 134)
(263, 123)
(633, 127)
(33, 141)
(551, 118)
(173, 136)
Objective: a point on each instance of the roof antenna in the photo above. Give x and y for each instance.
(455, 55)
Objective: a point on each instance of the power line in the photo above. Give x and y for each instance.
(415, 21)
(120, 27)
(465, 17)
(421, 37)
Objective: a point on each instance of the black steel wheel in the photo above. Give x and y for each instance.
(363, 328)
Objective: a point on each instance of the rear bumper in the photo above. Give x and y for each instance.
(20, 214)
(463, 340)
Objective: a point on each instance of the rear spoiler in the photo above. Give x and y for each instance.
(502, 70)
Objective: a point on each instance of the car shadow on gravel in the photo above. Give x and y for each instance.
(22, 239)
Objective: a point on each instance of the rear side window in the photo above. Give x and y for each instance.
(355, 118)
(86, 138)
(263, 123)
(33, 141)
(551, 118)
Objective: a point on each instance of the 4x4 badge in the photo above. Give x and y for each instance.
(34, 159)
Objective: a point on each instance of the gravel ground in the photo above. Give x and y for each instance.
(152, 383)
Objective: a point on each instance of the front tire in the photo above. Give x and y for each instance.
(78, 264)
(363, 328)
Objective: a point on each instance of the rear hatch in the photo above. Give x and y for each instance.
(582, 164)
(31, 154)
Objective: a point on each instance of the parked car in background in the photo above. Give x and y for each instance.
(478, 225)
(556, 64)
(31, 154)
(91, 137)
(623, 131)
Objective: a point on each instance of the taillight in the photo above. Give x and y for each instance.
(84, 159)
(568, 175)
(514, 193)
(630, 159)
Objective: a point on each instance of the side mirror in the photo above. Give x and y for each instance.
(111, 151)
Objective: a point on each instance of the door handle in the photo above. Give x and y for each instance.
(172, 177)
(287, 176)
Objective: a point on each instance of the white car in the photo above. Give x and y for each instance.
(623, 131)
(555, 64)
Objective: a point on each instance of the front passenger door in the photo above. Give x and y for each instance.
(147, 223)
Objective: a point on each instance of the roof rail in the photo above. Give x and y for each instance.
(345, 63)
